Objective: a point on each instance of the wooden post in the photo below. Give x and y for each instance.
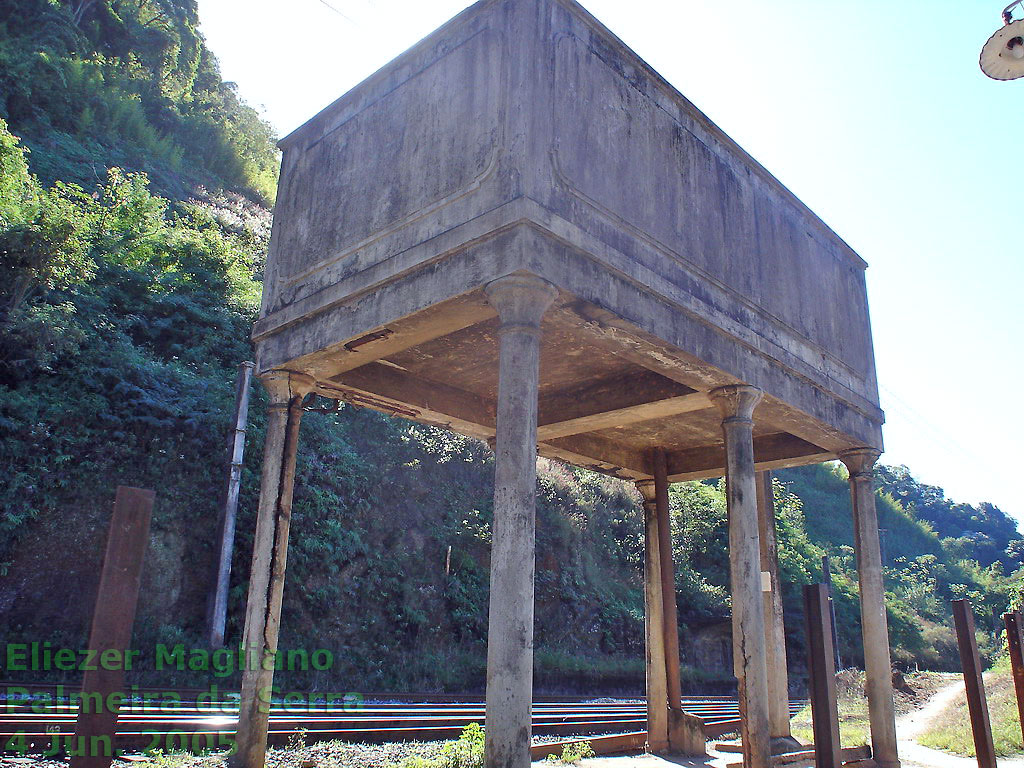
(822, 668)
(217, 613)
(977, 705)
(1015, 642)
(668, 581)
(112, 620)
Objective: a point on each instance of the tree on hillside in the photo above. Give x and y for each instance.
(984, 532)
(129, 83)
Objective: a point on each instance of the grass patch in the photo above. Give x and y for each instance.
(912, 691)
(853, 712)
(951, 730)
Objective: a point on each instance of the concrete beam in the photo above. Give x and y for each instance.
(383, 388)
(387, 389)
(390, 390)
(399, 335)
(642, 397)
(596, 452)
(607, 331)
(775, 451)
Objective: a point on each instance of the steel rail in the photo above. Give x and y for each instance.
(190, 726)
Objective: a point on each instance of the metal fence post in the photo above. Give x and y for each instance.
(1015, 643)
(822, 668)
(970, 661)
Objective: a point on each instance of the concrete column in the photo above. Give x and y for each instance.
(874, 625)
(269, 557)
(521, 301)
(774, 627)
(654, 625)
(736, 404)
(668, 580)
(685, 731)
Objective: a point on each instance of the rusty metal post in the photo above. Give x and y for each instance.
(1015, 643)
(112, 620)
(977, 704)
(217, 613)
(822, 668)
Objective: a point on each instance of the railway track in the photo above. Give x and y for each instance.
(28, 727)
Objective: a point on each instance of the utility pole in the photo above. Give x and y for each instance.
(217, 611)
(826, 577)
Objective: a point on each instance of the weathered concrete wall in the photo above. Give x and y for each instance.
(415, 188)
(420, 146)
(637, 165)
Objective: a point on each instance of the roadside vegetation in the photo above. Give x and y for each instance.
(912, 691)
(951, 729)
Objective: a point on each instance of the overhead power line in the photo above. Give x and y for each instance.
(343, 15)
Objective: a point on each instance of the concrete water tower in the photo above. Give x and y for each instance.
(519, 230)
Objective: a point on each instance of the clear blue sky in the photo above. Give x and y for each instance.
(873, 112)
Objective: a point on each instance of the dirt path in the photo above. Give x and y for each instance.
(910, 726)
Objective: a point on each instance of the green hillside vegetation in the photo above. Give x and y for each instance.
(94, 83)
(133, 186)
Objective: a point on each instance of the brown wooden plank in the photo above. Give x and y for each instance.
(1015, 642)
(977, 704)
(112, 621)
(822, 669)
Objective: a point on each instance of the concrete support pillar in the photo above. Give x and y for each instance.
(670, 626)
(874, 625)
(685, 731)
(269, 557)
(521, 301)
(654, 625)
(736, 404)
(774, 627)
